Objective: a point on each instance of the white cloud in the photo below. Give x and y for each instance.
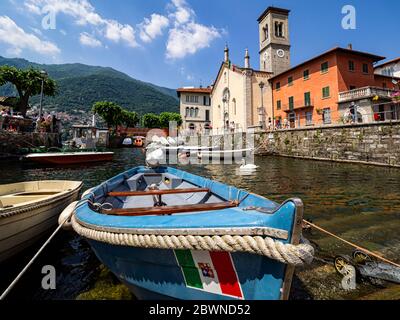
(120, 33)
(153, 27)
(188, 39)
(85, 14)
(37, 31)
(63, 32)
(19, 40)
(188, 36)
(89, 40)
(185, 37)
(33, 8)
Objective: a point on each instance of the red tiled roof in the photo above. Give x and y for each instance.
(194, 90)
(350, 51)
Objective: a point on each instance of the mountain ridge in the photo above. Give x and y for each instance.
(81, 85)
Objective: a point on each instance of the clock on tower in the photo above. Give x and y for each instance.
(274, 40)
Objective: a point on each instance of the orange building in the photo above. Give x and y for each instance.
(331, 88)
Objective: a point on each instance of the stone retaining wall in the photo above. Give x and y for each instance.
(11, 143)
(374, 143)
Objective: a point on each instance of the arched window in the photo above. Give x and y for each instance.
(279, 29)
(187, 112)
(192, 112)
(234, 106)
(265, 32)
(196, 112)
(226, 95)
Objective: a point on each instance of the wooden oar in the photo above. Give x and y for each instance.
(157, 192)
(134, 212)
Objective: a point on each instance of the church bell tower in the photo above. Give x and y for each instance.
(274, 40)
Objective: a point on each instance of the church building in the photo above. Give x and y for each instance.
(241, 97)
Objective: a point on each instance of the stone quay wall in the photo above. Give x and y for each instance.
(11, 143)
(373, 143)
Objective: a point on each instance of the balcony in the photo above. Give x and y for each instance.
(298, 105)
(365, 93)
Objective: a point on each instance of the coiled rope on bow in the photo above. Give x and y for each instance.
(296, 255)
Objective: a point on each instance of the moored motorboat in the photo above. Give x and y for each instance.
(167, 233)
(127, 142)
(65, 158)
(30, 209)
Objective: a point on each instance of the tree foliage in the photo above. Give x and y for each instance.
(130, 118)
(110, 112)
(167, 117)
(27, 83)
(151, 120)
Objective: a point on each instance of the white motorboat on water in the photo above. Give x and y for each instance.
(30, 209)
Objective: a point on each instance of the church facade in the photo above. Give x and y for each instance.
(339, 86)
(241, 97)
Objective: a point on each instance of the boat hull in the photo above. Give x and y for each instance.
(155, 274)
(155, 268)
(19, 231)
(76, 158)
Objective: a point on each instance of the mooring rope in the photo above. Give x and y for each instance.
(20, 275)
(352, 244)
(295, 255)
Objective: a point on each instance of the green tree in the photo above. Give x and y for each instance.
(167, 117)
(130, 119)
(176, 117)
(111, 113)
(28, 83)
(151, 120)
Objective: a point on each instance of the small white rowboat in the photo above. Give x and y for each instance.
(30, 209)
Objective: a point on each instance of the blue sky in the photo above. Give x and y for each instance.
(177, 43)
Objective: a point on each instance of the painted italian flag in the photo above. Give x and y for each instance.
(212, 272)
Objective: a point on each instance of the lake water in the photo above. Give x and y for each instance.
(359, 203)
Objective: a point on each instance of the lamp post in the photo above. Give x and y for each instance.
(224, 119)
(354, 107)
(43, 76)
(262, 85)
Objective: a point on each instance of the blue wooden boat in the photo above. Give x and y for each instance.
(169, 234)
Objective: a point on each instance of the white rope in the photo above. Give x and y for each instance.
(12, 285)
(296, 255)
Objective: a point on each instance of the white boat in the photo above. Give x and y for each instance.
(224, 154)
(127, 142)
(30, 209)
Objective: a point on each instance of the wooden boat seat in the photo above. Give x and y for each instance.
(169, 210)
(157, 192)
